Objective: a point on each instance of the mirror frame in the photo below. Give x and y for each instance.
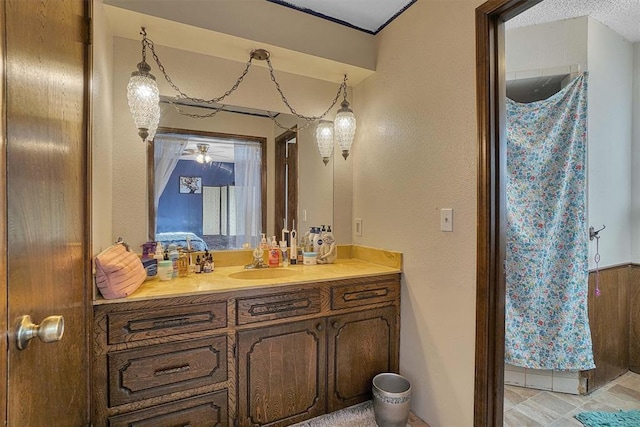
(151, 170)
(490, 279)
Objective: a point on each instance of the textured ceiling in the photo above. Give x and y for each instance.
(622, 16)
(367, 15)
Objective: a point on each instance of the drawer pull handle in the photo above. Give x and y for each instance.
(171, 322)
(279, 307)
(169, 371)
(319, 327)
(366, 295)
(336, 325)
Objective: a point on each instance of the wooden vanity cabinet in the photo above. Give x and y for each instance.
(262, 357)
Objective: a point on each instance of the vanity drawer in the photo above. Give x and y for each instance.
(127, 326)
(201, 411)
(161, 369)
(271, 307)
(364, 293)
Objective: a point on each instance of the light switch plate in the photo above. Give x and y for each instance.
(446, 219)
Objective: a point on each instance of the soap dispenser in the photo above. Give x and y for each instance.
(274, 253)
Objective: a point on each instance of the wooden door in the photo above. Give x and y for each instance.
(281, 374)
(44, 113)
(360, 346)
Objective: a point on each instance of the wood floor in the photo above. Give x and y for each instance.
(535, 408)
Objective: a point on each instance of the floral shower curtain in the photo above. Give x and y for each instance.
(547, 325)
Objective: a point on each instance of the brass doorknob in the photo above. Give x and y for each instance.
(49, 330)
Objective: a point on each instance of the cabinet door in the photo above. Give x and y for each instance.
(281, 373)
(361, 345)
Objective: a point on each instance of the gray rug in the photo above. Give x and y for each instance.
(355, 416)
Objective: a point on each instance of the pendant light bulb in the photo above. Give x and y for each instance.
(345, 127)
(324, 138)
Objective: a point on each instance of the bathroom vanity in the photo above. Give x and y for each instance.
(246, 347)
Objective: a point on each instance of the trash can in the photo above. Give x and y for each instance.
(391, 399)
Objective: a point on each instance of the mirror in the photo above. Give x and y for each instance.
(206, 185)
(120, 158)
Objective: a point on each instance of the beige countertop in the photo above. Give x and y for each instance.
(353, 261)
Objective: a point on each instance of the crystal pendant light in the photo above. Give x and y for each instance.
(324, 138)
(345, 126)
(143, 96)
(155, 121)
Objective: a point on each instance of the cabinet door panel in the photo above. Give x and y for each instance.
(361, 345)
(281, 372)
(209, 410)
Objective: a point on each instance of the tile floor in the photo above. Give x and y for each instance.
(525, 407)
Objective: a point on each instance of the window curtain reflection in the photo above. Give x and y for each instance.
(166, 152)
(247, 215)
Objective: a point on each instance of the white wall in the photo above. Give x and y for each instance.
(635, 169)
(610, 60)
(202, 76)
(547, 46)
(415, 152)
(102, 132)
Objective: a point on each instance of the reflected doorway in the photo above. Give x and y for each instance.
(286, 191)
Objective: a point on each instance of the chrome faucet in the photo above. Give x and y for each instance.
(258, 259)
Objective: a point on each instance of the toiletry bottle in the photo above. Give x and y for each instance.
(206, 262)
(308, 247)
(173, 257)
(183, 265)
(318, 239)
(274, 253)
(293, 250)
(283, 251)
(211, 261)
(264, 245)
(198, 269)
(159, 255)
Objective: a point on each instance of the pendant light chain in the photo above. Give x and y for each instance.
(177, 89)
(196, 115)
(341, 89)
(274, 118)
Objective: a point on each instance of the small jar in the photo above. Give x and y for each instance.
(165, 270)
(309, 258)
